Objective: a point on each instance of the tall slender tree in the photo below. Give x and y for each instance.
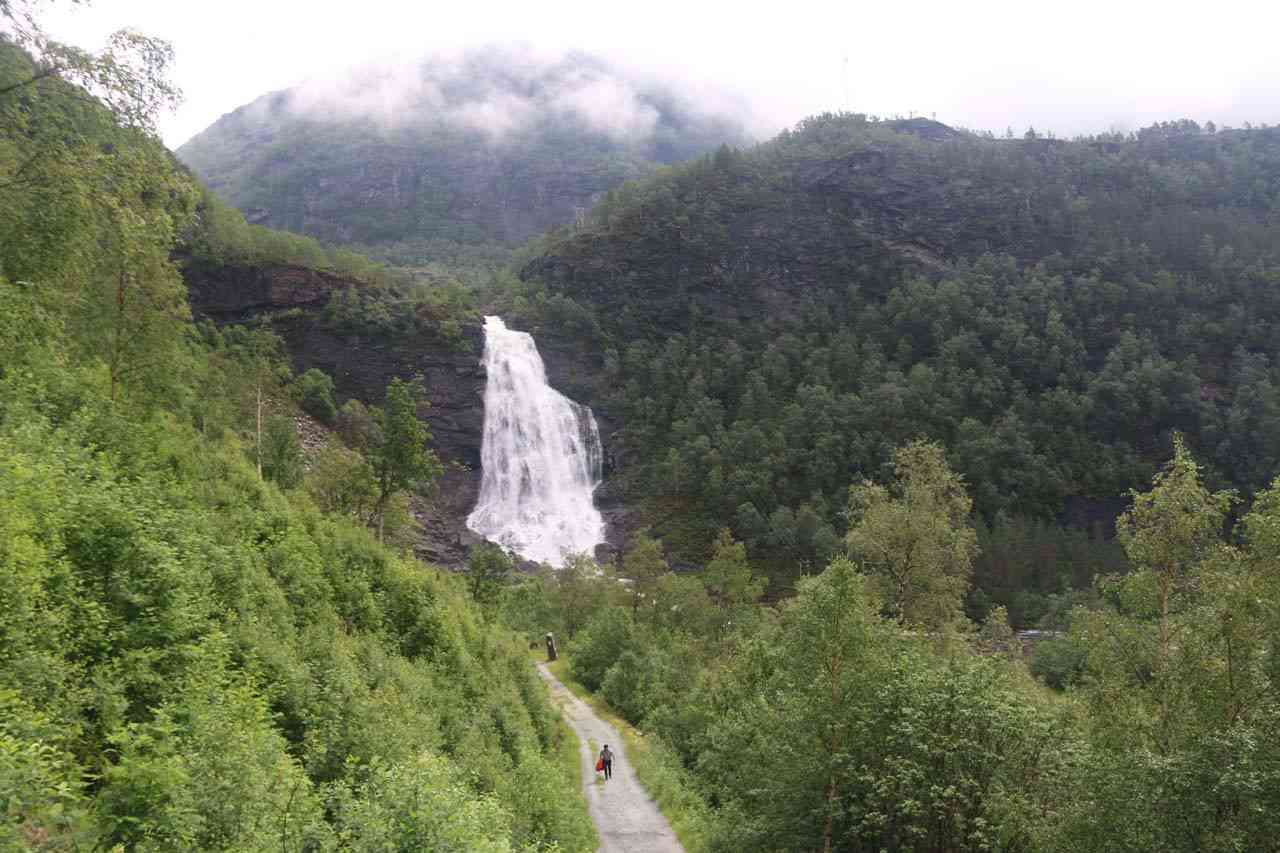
(399, 453)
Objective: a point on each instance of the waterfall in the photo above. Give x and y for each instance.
(540, 459)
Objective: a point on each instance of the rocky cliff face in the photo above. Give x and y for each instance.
(361, 367)
(231, 292)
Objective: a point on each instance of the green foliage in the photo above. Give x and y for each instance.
(314, 390)
(398, 448)
(644, 565)
(914, 538)
(728, 575)
(489, 569)
(995, 637)
(1179, 678)
(1057, 661)
(220, 236)
(281, 452)
(1030, 567)
(825, 723)
(355, 425)
(90, 204)
(603, 641)
(342, 482)
(773, 324)
(209, 772)
(419, 805)
(193, 657)
(436, 307)
(42, 802)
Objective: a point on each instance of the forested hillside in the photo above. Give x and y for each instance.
(484, 150)
(774, 321)
(203, 643)
(864, 713)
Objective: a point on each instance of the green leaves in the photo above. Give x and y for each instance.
(839, 728)
(914, 537)
(1170, 529)
(217, 663)
(489, 569)
(1179, 678)
(398, 451)
(314, 390)
(419, 805)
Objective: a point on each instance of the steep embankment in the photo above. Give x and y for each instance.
(194, 655)
(495, 146)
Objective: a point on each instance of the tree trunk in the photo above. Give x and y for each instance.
(1166, 583)
(258, 429)
(381, 510)
(116, 333)
(831, 814)
(835, 665)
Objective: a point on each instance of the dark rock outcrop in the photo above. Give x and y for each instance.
(227, 292)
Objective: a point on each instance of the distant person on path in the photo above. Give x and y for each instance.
(606, 755)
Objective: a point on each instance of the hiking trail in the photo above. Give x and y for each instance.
(626, 817)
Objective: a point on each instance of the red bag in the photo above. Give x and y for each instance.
(599, 764)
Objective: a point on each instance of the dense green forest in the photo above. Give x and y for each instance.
(454, 159)
(219, 235)
(866, 713)
(203, 643)
(892, 388)
(773, 322)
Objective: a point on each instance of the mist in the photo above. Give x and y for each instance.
(1084, 68)
(501, 89)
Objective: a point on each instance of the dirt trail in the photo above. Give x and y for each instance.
(627, 820)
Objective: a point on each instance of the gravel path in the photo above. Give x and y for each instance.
(626, 818)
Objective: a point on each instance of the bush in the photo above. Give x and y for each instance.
(418, 806)
(600, 645)
(342, 482)
(314, 390)
(355, 425)
(488, 569)
(42, 804)
(1058, 662)
(282, 452)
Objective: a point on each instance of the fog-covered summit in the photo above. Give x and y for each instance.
(489, 145)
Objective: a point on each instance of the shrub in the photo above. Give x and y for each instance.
(601, 644)
(418, 806)
(1059, 662)
(282, 452)
(315, 394)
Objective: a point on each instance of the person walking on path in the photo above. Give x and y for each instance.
(626, 817)
(606, 755)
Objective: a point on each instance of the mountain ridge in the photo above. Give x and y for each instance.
(494, 146)
(775, 321)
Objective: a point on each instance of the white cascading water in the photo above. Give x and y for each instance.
(540, 458)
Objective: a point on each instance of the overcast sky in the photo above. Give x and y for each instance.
(1070, 67)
